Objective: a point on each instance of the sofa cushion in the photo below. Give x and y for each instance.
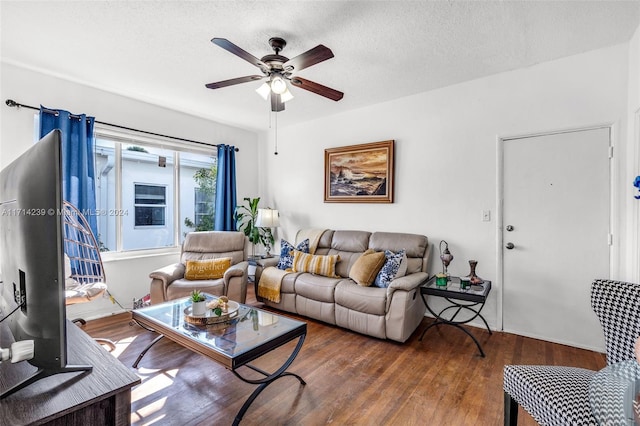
(366, 268)
(286, 252)
(316, 287)
(354, 241)
(183, 288)
(213, 244)
(416, 247)
(370, 300)
(208, 269)
(315, 264)
(390, 268)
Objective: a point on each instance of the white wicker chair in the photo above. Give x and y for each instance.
(555, 395)
(84, 272)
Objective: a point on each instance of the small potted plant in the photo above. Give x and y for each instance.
(198, 303)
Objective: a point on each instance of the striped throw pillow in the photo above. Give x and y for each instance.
(315, 264)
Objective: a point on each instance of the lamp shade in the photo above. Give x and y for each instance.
(286, 96)
(267, 218)
(264, 90)
(278, 85)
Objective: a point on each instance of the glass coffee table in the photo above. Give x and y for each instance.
(470, 299)
(249, 335)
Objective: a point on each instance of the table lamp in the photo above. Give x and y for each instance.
(267, 219)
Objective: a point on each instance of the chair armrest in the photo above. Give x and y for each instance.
(162, 278)
(235, 281)
(236, 270)
(169, 273)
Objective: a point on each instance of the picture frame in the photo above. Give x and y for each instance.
(359, 173)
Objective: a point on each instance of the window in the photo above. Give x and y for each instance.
(147, 190)
(203, 208)
(150, 204)
(197, 180)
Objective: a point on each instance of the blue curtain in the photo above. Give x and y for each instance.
(226, 189)
(78, 180)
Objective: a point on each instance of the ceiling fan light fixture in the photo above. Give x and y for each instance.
(286, 96)
(264, 90)
(278, 85)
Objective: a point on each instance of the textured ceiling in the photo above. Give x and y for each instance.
(161, 52)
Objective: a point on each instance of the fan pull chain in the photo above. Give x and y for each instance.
(276, 132)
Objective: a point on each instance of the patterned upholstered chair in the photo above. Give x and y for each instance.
(556, 395)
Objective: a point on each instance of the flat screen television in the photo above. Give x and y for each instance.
(32, 258)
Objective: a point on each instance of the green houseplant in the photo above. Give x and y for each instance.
(245, 217)
(198, 303)
(205, 178)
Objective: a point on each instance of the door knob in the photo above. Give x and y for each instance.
(509, 228)
(509, 246)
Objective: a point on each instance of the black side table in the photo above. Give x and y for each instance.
(475, 296)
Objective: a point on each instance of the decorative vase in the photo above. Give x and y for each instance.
(473, 278)
(198, 308)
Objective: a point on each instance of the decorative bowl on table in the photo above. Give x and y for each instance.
(210, 317)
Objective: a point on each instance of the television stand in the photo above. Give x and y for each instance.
(104, 392)
(41, 374)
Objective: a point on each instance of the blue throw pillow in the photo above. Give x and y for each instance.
(286, 252)
(389, 269)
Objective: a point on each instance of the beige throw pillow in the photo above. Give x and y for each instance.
(365, 269)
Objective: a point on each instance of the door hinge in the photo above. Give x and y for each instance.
(611, 152)
(610, 239)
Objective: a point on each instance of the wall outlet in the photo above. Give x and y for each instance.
(486, 215)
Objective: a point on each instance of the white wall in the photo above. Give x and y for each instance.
(126, 278)
(446, 153)
(633, 160)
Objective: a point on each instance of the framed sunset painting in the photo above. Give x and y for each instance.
(359, 173)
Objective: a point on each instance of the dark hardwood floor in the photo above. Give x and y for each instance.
(351, 379)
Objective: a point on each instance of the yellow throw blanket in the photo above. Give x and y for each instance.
(271, 278)
(270, 282)
(313, 235)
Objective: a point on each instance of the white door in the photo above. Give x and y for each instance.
(556, 219)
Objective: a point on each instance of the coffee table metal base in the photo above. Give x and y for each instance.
(268, 379)
(297, 330)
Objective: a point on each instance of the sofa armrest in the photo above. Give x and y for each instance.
(408, 282)
(262, 264)
(267, 261)
(162, 278)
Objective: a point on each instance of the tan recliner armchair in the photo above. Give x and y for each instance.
(169, 283)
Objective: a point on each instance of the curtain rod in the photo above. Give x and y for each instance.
(12, 103)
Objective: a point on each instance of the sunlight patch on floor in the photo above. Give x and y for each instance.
(153, 383)
(144, 415)
(121, 346)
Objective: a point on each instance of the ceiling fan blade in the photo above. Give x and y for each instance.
(319, 89)
(230, 47)
(276, 103)
(310, 57)
(233, 81)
